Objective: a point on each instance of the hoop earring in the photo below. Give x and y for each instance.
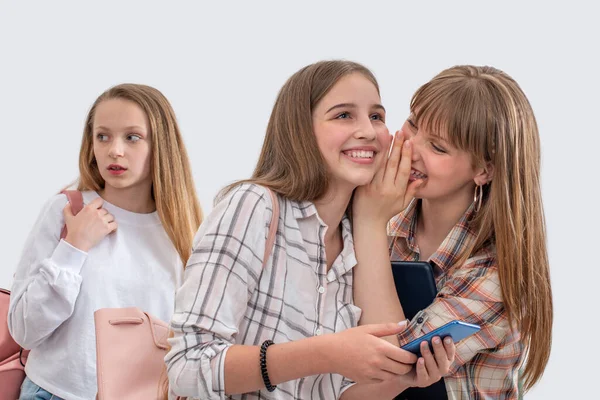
(477, 197)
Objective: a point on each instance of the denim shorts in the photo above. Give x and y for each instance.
(31, 391)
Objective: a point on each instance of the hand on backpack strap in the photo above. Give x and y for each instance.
(89, 226)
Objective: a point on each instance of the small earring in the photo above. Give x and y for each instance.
(477, 197)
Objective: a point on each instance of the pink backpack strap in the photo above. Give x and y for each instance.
(272, 227)
(76, 200)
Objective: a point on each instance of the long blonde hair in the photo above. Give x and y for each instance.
(485, 112)
(290, 161)
(173, 188)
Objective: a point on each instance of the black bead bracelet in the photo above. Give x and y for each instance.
(263, 365)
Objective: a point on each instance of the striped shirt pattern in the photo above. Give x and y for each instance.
(487, 363)
(227, 298)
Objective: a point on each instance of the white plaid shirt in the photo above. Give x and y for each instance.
(227, 298)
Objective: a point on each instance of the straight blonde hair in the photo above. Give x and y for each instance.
(173, 188)
(484, 111)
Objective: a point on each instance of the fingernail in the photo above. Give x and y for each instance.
(448, 340)
(407, 144)
(398, 134)
(421, 361)
(402, 324)
(436, 340)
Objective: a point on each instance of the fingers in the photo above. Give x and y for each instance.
(403, 172)
(391, 168)
(441, 358)
(383, 376)
(396, 368)
(381, 330)
(399, 355)
(96, 203)
(450, 348)
(422, 375)
(380, 173)
(112, 226)
(413, 187)
(433, 370)
(107, 218)
(67, 212)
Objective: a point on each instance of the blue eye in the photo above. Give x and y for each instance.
(377, 117)
(344, 115)
(133, 138)
(102, 137)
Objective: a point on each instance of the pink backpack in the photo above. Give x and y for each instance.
(131, 344)
(12, 356)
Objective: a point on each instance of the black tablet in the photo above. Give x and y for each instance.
(415, 285)
(416, 290)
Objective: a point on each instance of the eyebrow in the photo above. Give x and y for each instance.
(126, 128)
(352, 105)
(412, 118)
(439, 137)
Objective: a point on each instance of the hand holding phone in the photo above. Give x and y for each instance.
(457, 330)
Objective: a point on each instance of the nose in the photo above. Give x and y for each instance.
(116, 149)
(365, 129)
(416, 145)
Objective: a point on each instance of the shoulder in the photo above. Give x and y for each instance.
(478, 278)
(54, 205)
(248, 196)
(52, 210)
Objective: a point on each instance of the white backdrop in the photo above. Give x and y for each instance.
(221, 66)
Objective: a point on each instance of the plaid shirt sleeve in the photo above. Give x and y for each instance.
(220, 276)
(471, 294)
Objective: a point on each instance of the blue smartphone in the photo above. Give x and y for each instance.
(457, 330)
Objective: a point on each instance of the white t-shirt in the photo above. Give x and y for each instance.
(57, 288)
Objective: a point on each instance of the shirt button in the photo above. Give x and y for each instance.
(318, 331)
(321, 289)
(420, 320)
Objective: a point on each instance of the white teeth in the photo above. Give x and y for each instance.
(417, 174)
(360, 154)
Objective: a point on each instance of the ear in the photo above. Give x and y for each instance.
(484, 174)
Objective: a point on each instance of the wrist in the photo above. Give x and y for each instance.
(370, 223)
(325, 352)
(78, 244)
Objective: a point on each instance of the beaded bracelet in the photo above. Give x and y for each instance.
(263, 365)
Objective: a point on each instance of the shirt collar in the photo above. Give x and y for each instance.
(404, 226)
(303, 209)
(307, 209)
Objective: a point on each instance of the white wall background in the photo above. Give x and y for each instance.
(222, 64)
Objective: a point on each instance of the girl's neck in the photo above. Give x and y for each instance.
(136, 199)
(332, 207)
(436, 219)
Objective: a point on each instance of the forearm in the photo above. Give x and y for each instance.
(374, 288)
(285, 362)
(376, 391)
(43, 300)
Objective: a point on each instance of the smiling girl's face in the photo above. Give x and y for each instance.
(349, 124)
(448, 172)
